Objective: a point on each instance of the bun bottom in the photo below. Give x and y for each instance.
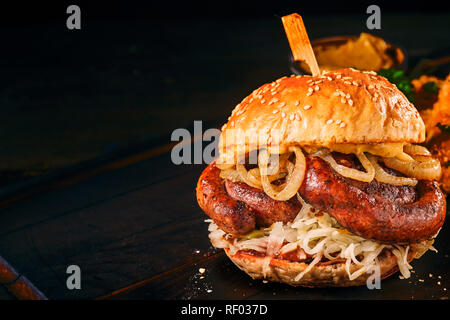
(331, 275)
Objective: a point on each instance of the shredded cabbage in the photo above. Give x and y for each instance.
(319, 236)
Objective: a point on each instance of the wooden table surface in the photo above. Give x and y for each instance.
(128, 217)
(135, 230)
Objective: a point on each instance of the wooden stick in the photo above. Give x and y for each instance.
(299, 41)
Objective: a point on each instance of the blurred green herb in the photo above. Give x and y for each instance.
(444, 128)
(401, 80)
(447, 164)
(431, 87)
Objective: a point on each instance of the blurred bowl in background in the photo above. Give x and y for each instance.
(363, 52)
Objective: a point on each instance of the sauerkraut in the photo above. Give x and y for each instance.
(319, 236)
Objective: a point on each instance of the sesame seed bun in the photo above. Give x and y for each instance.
(342, 106)
(320, 275)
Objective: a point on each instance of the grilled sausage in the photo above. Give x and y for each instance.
(267, 210)
(379, 211)
(375, 210)
(232, 216)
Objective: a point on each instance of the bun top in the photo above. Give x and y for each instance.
(341, 106)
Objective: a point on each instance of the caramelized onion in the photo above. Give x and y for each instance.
(248, 178)
(230, 174)
(384, 177)
(224, 166)
(350, 172)
(415, 150)
(414, 161)
(256, 175)
(380, 149)
(429, 170)
(294, 178)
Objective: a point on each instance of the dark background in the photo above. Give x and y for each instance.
(82, 111)
(139, 69)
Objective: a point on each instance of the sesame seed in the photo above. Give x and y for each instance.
(271, 102)
(342, 93)
(296, 103)
(307, 107)
(370, 86)
(330, 121)
(439, 283)
(350, 102)
(291, 117)
(330, 78)
(310, 90)
(374, 99)
(347, 95)
(273, 89)
(263, 101)
(336, 94)
(316, 88)
(273, 93)
(347, 82)
(342, 124)
(251, 100)
(282, 104)
(338, 76)
(274, 111)
(355, 83)
(297, 117)
(283, 114)
(308, 94)
(273, 84)
(309, 81)
(343, 100)
(201, 270)
(338, 121)
(319, 81)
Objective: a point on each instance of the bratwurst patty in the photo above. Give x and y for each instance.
(379, 211)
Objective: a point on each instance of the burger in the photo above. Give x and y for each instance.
(320, 181)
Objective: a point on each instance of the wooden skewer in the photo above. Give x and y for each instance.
(299, 41)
